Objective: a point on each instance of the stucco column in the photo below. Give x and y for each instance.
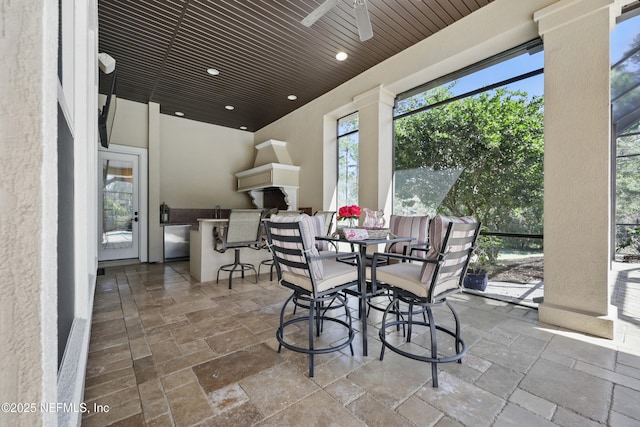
(577, 164)
(28, 207)
(155, 231)
(375, 114)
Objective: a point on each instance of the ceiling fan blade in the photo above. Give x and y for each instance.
(318, 12)
(362, 20)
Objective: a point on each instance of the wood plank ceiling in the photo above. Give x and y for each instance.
(163, 49)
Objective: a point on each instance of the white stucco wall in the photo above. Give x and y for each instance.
(198, 162)
(28, 206)
(127, 123)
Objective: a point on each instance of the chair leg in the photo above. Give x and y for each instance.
(431, 357)
(231, 268)
(318, 306)
(280, 331)
(409, 321)
(434, 348)
(271, 265)
(383, 330)
(315, 318)
(457, 337)
(236, 261)
(311, 322)
(343, 301)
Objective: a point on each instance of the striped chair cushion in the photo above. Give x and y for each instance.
(408, 226)
(437, 231)
(307, 230)
(318, 231)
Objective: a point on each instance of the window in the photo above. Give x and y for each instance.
(348, 160)
(625, 100)
(472, 143)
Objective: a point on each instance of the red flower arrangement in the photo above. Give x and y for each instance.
(349, 212)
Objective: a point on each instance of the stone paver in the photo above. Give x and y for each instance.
(166, 351)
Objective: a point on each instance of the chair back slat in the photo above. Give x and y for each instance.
(287, 247)
(287, 258)
(291, 239)
(318, 229)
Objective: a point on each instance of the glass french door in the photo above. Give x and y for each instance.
(118, 200)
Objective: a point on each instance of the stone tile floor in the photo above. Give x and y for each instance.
(168, 351)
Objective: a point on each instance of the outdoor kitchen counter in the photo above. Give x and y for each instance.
(204, 262)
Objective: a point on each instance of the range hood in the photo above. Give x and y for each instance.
(272, 169)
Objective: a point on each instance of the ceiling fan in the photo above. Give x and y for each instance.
(359, 9)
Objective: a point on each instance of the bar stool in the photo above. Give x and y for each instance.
(242, 231)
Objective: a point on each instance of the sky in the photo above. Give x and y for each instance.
(621, 38)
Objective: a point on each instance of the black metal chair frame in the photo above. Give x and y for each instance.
(317, 302)
(384, 292)
(405, 319)
(327, 228)
(270, 264)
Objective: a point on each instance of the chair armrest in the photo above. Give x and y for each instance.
(327, 238)
(403, 258)
(418, 247)
(339, 256)
(334, 241)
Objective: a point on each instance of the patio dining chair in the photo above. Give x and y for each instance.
(317, 280)
(426, 283)
(416, 227)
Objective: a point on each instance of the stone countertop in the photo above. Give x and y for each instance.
(196, 227)
(193, 225)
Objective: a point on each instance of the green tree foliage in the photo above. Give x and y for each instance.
(348, 169)
(348, 160)
(627, 180)
(625, 81)
(625, 93)
(480, 156)
(117, 205)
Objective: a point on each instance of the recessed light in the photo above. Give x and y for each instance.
(229, 107)
(243, 127)
(213, 71)
(341, 56)
(292, 97)
(179, 113)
